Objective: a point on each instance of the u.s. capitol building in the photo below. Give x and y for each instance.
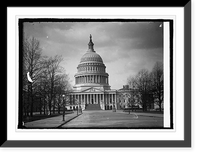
(92, 89)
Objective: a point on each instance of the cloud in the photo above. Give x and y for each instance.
(125, 47)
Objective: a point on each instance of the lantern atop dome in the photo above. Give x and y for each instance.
(90, 45)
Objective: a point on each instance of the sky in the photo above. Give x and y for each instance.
(125, 47)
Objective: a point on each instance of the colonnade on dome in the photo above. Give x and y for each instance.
(99, 79)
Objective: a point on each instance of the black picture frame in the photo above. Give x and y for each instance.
(127, 143)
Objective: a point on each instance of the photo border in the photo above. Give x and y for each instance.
(171, 22)
(126, 143)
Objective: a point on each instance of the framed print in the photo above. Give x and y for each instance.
(91, 77)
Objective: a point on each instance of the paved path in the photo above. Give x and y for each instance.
(53, 122)
(149, 114)
(119, 119)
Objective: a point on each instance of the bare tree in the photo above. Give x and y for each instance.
(141, 84)
(62, 85)
(31, 64)
(53, 68)
(157, 82)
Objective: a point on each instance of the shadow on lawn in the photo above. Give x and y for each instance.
(42, 116)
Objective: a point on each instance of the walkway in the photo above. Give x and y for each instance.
(51, 123)
(119, 119)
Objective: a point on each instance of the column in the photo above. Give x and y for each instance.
(99, 98)
(90, 98)
(108, 98)
(103, 98)
(87, 98)
(94, 99)
(99, 79)
(116, 100)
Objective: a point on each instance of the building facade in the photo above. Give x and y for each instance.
(92, 89)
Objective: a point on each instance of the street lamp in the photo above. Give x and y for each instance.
(78, 107)
(63, 107)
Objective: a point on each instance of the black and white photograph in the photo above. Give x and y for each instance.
(93, 74)
(98, 77)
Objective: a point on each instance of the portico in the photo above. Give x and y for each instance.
(94, 97)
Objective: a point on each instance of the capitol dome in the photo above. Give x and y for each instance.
(91, 57)
(91, 70)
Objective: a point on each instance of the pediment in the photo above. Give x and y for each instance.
(92, 90)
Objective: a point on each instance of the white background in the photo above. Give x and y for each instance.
(140, 13)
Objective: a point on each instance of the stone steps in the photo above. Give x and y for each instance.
(93, 107)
